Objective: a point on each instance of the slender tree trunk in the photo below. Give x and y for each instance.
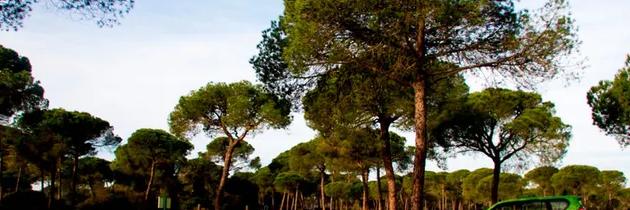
(387, 162)
(19, 177)
(364, 181)
(421, 143)
(227, 162)
(150, 183)
(321, 189)
(60, 187)
(73, 181)
(332, 203)
(42, 179)
(378, 189)
(51, 188)
(284, 195)
(496, 173)
(273, 198)
(1, 170)
(295, 201)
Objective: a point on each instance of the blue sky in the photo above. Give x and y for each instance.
(133, 74)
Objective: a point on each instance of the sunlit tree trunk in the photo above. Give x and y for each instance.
(379, 198)
(150, 182)
(227, 162)
(366, 188)
(421, 143)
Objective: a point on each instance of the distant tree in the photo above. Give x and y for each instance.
(152, 153)
(455, 180)
(289, 184)
(82, 134)
(541, 178)
(233, 110)
(199, 177)
(104, 12)
(504, 124)
(41, 146)
(469, 185)
(612, 183)
(419, 42)
(306, 157)
(511, 187)
(19, 92)
(95, 172)
(577, 180)
(216, 151)
(609, 103)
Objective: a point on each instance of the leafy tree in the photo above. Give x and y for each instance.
(95, 172)
(152, 153)
(455, 180)
(577, 180)
(504, 124)
(105, 12)
(511, 186)
(541, 177)
(233, 110)
(199, 176)
(612, 183)
(306, 157)
(19, 92)
(82, 134)
(609, 103)
(216, 151)
(41, 146)
(469, 185)
(416, 43)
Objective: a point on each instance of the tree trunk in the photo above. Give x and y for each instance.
(1, 170)
(19, 176)
(42, 179)
(284, 195)
(295, 201)
(379, 197)
(73, 181)
(496, 173)
(227, 162)
(51, 188)
(60, 187)
(387, 163)
(366, 188)
(321, 189)
(421, 143)
(273, 198)
(150, 183)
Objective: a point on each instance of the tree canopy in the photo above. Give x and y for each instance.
(104, 12)
(504, 124)
(419, 42)
(609, 101)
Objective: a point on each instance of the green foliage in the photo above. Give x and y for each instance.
(524, 127)
(610, 103)
(576, 180)
(216, 151)
(104, 12)
(469, 185)
(18, 90)
(228, 109)
(541, 178)
(148, 148)
(511, 186)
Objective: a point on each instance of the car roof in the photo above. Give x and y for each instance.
(570, 198)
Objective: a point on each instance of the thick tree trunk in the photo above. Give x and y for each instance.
(227, 162)
(150, 183)
(387, 163)
(496, 173)
(321, 189)
(379, 194)
(366, 188)
(421, 143)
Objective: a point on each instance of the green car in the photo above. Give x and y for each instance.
(541, 203)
